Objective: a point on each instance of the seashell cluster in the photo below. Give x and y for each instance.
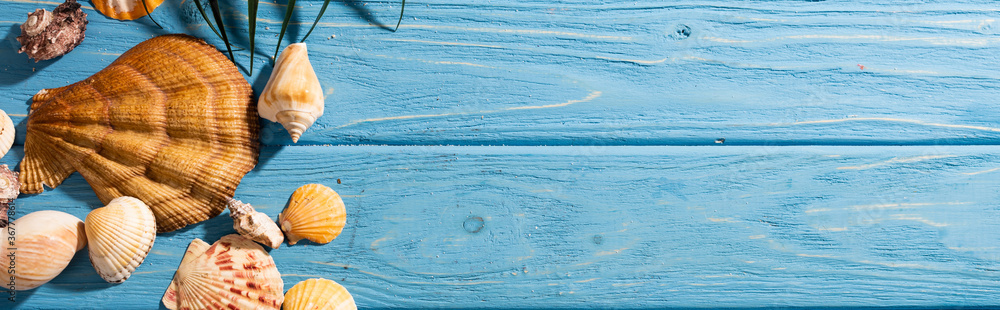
(6, 133)
(318, 294)
(315, 212)
(232, 273)
(9, 188)
(46, 242)
(126, 9)
(46, 35)
(254, 225)
(292, 96)
(144, 127)
(120, 235)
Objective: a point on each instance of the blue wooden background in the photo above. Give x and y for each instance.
(613, 154)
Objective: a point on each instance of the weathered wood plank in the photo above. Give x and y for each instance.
(590, 72)
(634, 227)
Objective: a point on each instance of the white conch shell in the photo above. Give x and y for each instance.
(6, 133)
(293, 96)
(254, 225)
(120, 236)
(45, 243)
(232, 273)
(318, 294)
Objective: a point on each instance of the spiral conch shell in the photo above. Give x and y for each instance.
(293, 96)
(170, 122)
(6, 133)
(44, 245)
(318, 294)
(120, 235)
(315, 212)
(232, 273)
(254, 225)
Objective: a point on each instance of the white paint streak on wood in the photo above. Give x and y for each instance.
(895, 161)
(591, 96)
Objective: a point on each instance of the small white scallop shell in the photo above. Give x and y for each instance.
(293, 95)
(6, 133)
(120, 236)
(44, 245)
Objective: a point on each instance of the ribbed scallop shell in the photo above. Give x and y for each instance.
(170, 122)
(125, 9)
(6, 133)
(315, 212)
(44, 244)
(293, 95)
(232, 273)
(120, 235)
(318, 294)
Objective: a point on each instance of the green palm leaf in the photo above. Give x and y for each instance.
(222, 28)
(321, 11)
(284, 25)
(150, 15)
(252, 10)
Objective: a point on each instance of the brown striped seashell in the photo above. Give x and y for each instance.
(254, 225)
(232, 273)
(126, 9)
(315, 212)
(170, 122)
(120, 236)
(292, 96)
(6, 133)
(318, 294)
(44, 245)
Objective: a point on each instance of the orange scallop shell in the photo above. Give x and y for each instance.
(125, 9)
(171, 122)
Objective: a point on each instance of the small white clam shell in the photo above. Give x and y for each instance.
(293, 95)
(120, 236)
(44, 245)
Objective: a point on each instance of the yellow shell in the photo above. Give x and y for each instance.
(170, 122)
(6, 133)
(125, 9)
(318, 294)
(315, 212)
(232, 273)
(292, 96)
(120, 235)
(44, 245)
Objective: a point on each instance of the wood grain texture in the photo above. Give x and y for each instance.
(619, 227)
(593, 72)
(899, 208)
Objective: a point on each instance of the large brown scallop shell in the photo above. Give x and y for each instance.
(232, 273)
(171, 122)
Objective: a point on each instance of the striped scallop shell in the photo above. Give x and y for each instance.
(315, 212)
(318, 294)
(6, 133)
(120, 236)
(232, 273)
(170, 122)
(44, 244)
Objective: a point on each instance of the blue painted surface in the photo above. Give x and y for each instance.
(864, 170)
